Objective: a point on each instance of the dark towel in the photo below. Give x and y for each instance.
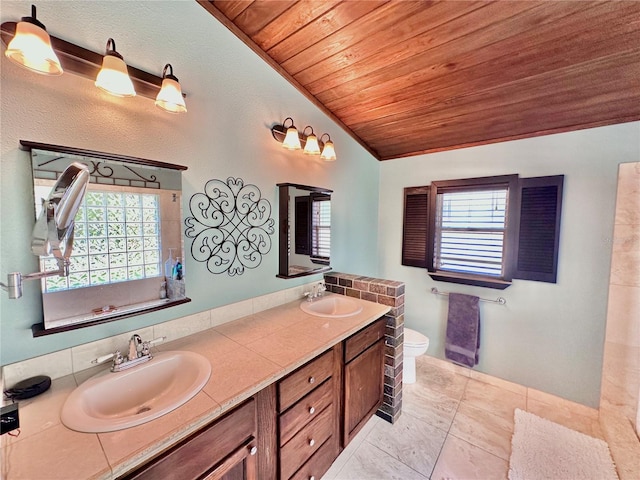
(463, 330)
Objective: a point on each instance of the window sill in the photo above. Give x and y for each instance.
(38, 329)
(461, 278)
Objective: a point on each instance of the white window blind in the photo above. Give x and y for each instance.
(321, 228)
(470, 231)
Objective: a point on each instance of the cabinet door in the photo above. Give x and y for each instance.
(363, 388)
(240, 465)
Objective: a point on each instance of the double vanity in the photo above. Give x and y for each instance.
(287, 390)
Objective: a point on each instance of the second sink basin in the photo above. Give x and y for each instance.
(332, 306)
(114, 401)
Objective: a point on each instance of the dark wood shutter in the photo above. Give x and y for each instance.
(539, 232)
(415, 227)
(302, 240)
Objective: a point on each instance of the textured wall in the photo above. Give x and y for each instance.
(233, 99)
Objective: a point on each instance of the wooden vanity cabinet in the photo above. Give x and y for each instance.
(309, 417)
(225, 450)
(292, 429)
(363, 377)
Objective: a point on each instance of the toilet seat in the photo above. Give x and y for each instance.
(415, 339)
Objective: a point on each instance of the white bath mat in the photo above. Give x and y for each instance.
(541, 449)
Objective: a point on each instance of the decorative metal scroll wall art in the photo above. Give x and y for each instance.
(230, 226)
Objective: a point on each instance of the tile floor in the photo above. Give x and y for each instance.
(455, 424)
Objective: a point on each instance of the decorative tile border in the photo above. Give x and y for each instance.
(390, 293)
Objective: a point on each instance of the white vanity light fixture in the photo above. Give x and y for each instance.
(311, 146)
(288, 136)
(113, 77)
(31, 47)
(51, 54)
(170, 97)
(291, 139)
(328, 151)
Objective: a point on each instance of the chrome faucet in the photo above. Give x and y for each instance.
(134, 343)
(316, 291)
(322, 287)
(139, 352)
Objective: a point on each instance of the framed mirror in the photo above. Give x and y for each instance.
(127, 256)
(305, 230)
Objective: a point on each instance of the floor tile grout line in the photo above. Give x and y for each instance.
(400, 461)
(482, 448)
(453, 418)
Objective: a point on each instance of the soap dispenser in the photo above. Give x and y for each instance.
(169, 264)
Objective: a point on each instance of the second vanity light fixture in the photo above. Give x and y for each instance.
(309, 143)
(30, 46)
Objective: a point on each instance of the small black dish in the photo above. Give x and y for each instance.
(28, 388)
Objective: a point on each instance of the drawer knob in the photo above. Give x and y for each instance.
(312, 410)
(253, 450)
(312, 442)
(312, 380)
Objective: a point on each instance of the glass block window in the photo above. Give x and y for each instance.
(116, 239)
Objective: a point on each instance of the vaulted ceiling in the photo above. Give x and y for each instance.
(411, 77)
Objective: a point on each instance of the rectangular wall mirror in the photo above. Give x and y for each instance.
(305, 230)
(127, 255)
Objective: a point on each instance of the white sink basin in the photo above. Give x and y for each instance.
(113, 401)
(331, 306)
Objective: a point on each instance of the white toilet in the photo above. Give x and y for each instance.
(415, 344)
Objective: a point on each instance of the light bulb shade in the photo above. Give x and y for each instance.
(31, 48)
(312, 147)
(113, 77)
(170, 96)
(328, 152)
(292, 140)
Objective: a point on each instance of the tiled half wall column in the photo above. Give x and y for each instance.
(386, 292)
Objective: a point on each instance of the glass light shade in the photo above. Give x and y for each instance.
(328, 152)
(170, 97)
(312, 147)
(31, 48)
(114, 78)
(291, 140)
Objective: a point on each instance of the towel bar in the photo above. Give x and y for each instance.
(500, 300)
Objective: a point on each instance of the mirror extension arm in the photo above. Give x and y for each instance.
(53, 231)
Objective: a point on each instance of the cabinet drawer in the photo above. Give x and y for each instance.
(305, 443)
(359, 342)
(305, 410)
(305, 379)
(319, 463)
(205, 449)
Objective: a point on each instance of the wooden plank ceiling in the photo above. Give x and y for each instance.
(411, 77)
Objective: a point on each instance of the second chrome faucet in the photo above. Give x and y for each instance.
(316, 291)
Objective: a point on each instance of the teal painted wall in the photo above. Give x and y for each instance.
(548, 336)
(233, 99)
